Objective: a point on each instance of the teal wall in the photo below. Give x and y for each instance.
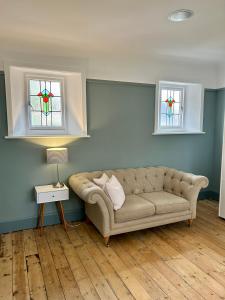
(120, 122)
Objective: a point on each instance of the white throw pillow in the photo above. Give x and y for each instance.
(115, 191)
(101, 181)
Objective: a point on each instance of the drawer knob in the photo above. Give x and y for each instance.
(53, 196)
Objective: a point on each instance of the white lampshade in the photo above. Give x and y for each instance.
(57, 155)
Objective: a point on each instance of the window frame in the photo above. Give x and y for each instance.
(74, 98)
(175, 87)
(47, 129)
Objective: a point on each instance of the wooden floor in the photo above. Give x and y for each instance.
(168, 262)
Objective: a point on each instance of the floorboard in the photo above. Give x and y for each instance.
(167, 262)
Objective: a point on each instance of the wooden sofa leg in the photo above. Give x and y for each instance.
(106, 239)
(189, 222)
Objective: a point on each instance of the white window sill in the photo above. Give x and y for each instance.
(8, 137)
(177, 132)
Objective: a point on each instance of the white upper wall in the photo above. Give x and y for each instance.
(129, 69)
(221, 76)
(152, 70)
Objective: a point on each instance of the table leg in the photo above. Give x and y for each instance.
(39, 216)
(42, 208)
(61, 214)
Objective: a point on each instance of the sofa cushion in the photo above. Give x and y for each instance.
(134, 208)
(115, 191)
(165, 202)
(101, 181)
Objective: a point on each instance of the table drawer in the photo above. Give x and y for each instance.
(52, 196)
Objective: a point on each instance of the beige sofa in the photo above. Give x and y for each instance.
(154, 196)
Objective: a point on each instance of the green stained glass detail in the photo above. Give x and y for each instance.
(45, 95)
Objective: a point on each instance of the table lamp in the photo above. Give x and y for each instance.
(57, 156)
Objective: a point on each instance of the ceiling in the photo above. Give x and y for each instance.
(117, 27)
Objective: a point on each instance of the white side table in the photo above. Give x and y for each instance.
(47, 193)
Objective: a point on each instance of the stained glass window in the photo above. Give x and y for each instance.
(171, 107)
(45, 102)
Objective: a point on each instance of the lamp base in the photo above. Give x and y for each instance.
(58, 185)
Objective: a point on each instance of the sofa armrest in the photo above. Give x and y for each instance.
(195, 180)
(185, 185)
(91, 193)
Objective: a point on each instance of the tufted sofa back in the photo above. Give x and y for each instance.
(134, 181)
(140, 180)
